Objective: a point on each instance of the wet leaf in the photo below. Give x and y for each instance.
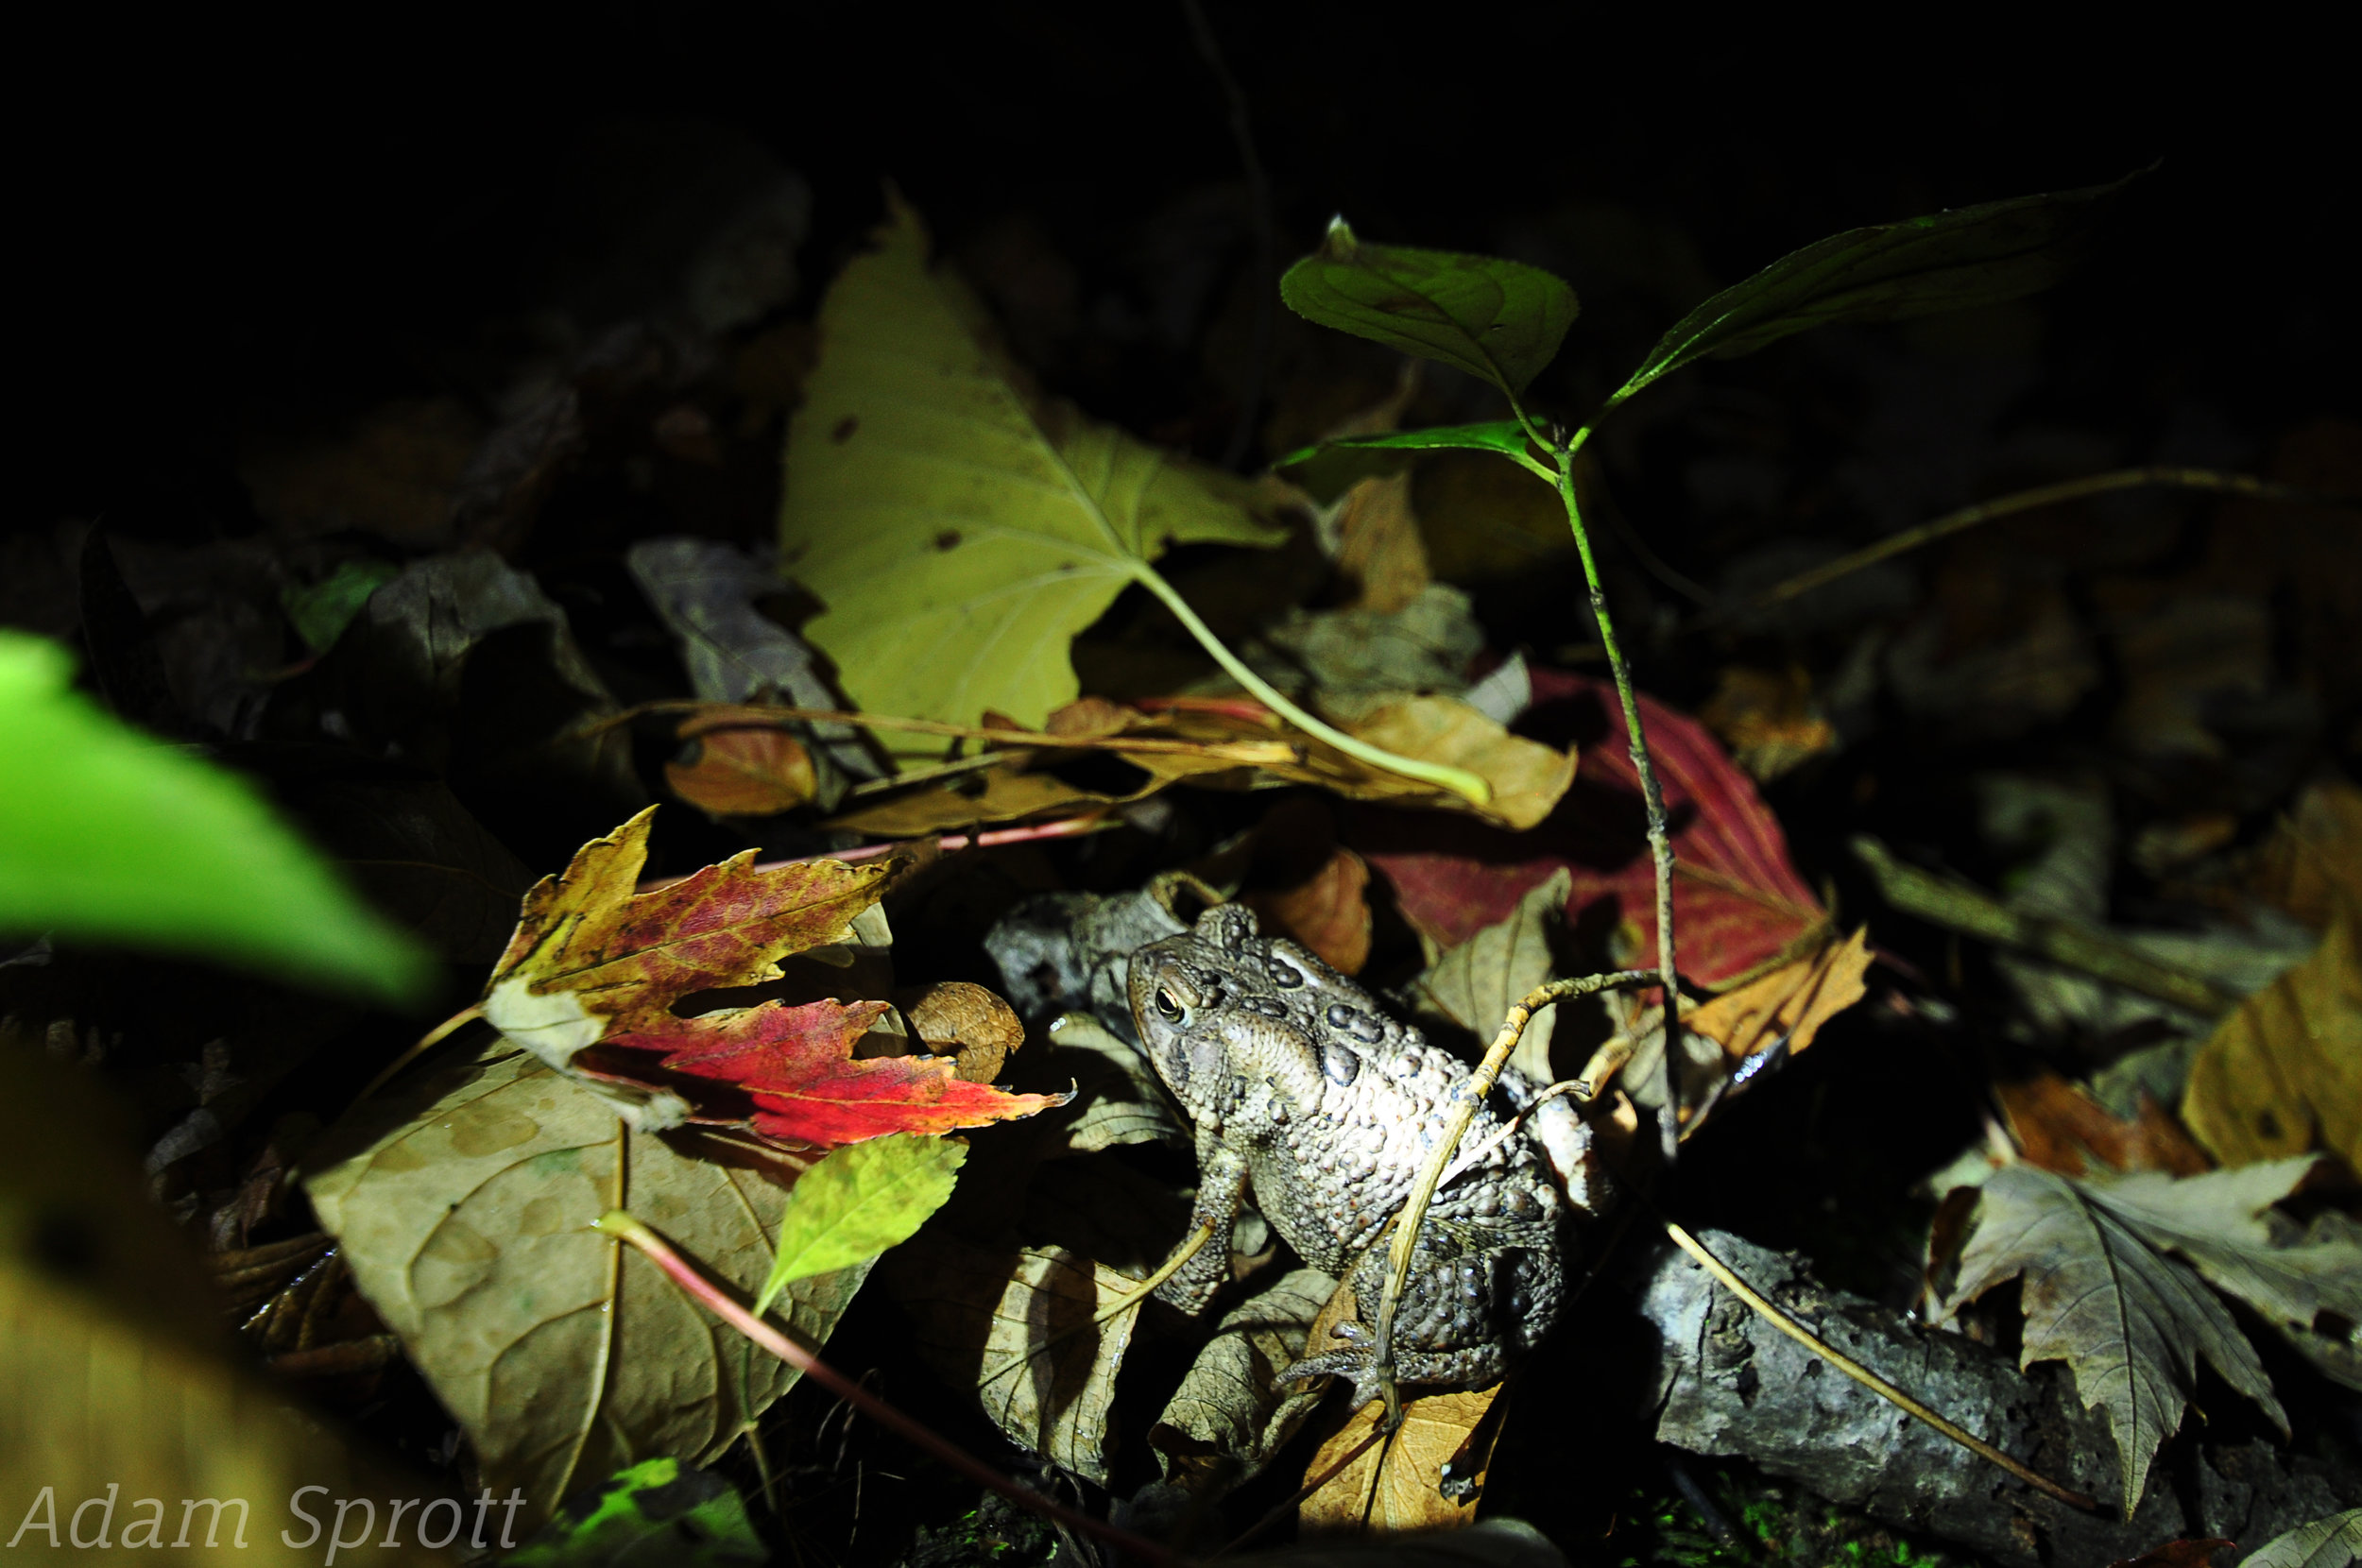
(2129, 1322)
(959, 529)
(1229, 1416)
(107, 836)
(1738, 899)
(1394, 1486)
(2332, 1542)
(858, 1201)
(464, 1205)
(1950, 261)
(1498, 320)
(2284, 1073)
(658, 1513)
(1015, 1326)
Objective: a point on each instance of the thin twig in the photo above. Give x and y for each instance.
(2042, 495)
(1955, 906)
(1863, 1376)
(1468, 1097)
(425, 1043)
(1288, 1505)
(1063, 827)
(623, 1227)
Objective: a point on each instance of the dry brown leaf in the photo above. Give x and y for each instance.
(954, 1017)
(1392, 1488)
(2315, 855)
(1015, 1326)
(740, 771)
(1237, 745)
(1379, 546)
(1791, 1002)
(2284, 1073)
(2060, 1127)
(1768, 720)
(1328, 912)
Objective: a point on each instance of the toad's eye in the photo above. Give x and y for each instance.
(1168, 1006)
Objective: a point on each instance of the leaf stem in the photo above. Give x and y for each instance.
(1468, 1097)
(1652, 793)
(626, 1228)
(1458, 781)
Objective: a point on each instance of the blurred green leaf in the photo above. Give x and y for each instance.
(1498, 320)
(1327, 470)
(320, 611)
(1951, 260)
(660, 1513)
(858, 1201)
(108, 836)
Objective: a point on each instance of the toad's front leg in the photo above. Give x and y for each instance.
(1220, 1187)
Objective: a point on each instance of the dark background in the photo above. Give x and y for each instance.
(223, 212)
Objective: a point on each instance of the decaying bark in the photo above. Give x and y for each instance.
(1729, 1383)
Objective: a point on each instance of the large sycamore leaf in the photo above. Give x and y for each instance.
(107, 835)
(2099, 1295)
(464, 1205)
(2284, 1073)
(1950, 261)
(959, 529)
(1498, 320)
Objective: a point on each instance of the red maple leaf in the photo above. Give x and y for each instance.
(1737, 900)
(797, 1080)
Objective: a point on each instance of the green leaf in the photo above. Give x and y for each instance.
(1950, 261)
(858, 1201)
(108, 836)
(658, 1513)
(321, 611)
(1498, 320)
(959, 529)
(1330, 469)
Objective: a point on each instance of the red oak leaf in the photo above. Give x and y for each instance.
(800, 1081)
(1737, 900)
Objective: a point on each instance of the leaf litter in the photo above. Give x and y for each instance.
(704, 1052)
